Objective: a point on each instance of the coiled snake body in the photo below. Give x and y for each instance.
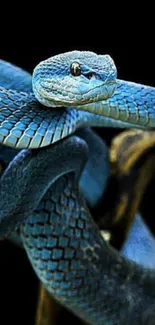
(39, 191)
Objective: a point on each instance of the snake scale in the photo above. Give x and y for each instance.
(39, 189)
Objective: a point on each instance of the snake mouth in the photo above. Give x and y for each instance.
(50, 96)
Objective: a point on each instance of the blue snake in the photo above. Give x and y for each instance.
(41, 189)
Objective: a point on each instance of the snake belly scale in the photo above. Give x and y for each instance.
(63, 243)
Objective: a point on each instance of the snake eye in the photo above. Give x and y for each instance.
(75, 69)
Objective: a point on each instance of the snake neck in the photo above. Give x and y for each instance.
(131, 103)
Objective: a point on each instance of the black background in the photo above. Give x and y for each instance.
(135, 62)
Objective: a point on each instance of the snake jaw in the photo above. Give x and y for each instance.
(58, 98)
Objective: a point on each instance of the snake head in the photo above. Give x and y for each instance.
(74, 78)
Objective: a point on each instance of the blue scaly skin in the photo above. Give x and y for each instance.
(97, 162)
(140, 244)
(63, 244)
(77, 266)
(102, 99)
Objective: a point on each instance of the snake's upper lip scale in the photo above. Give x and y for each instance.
(107, 81)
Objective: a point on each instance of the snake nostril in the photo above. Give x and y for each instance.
(89, 75)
